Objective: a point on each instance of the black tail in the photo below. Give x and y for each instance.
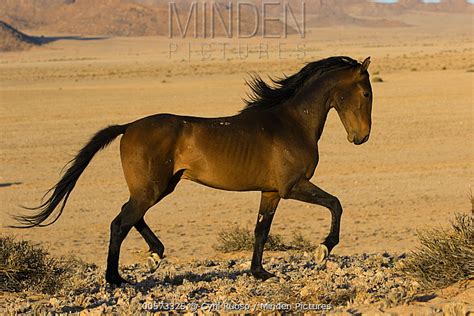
(64, 187)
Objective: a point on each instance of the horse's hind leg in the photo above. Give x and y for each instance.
(156, 246)
(131, 213)
(132, 216)
(146, 151)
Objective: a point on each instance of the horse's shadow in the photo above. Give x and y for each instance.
(177, 280)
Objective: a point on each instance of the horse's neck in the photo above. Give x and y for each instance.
(310, 110)
(320, 119)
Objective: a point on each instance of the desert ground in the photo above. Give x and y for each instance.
(415, 171)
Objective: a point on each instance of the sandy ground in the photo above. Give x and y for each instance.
(415, 171)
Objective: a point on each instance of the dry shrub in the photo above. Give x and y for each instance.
(445, 256)
(235, 239)
(377, 79)
(242, 239)
(25, 266)
(239, 238)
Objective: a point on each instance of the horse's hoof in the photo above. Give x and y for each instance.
(262, 274)
(322, 253)
(153, 262)
(116, 281)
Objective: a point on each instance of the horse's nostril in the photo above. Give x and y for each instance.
(359, 141)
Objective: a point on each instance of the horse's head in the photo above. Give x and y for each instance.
(352, 99)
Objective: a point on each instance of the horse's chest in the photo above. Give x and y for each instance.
(302, 161)
(311, 166)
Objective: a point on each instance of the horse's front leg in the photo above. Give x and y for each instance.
(307, 192)
(268, 205)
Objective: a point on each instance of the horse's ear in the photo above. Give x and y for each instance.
(365, 65)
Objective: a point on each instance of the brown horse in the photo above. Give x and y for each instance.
(270, 146)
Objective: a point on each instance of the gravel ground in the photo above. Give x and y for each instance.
(341, 284)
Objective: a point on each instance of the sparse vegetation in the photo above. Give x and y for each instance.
(377, 79)
(239, 239)
(25, 266)
(445, 256)
(341, 282)
(300, 243)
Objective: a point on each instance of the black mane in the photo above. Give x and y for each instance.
(265, 96)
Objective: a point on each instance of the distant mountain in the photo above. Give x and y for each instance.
(102, 17)
(334, 13)
(123, 17)
(447, 6)
(380, 9)
(150, 17)
(375, 9)
(28, 14)
(107, 17)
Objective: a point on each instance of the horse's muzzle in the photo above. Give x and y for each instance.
(361, 141)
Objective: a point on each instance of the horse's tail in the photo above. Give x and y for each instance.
(64, 187)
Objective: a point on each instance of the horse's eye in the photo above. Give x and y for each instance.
(366, 94)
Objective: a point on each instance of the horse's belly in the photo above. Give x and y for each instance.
(225, 158)
(231, 180)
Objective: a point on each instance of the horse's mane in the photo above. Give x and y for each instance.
(264, 95)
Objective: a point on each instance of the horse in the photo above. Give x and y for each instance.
(270, 146)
